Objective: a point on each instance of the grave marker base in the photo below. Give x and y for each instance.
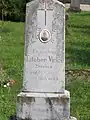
(43, 106)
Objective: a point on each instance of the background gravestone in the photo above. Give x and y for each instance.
(44, 96)
(75, 5)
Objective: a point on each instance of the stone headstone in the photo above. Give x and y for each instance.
(44, 66)
(44, 96)
(75, 5)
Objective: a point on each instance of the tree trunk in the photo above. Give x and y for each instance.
(2, 23)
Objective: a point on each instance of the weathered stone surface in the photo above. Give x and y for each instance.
(44, 65)
(44, 96)
(43, 106)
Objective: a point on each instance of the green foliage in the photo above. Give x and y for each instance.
(13, 9)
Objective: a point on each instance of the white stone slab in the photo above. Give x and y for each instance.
(43, 106)
(66, 94)
(44, 65)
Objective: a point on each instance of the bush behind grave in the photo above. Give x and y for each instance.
(13, 10)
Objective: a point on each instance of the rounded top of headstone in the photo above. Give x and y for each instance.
(56, 1)
(32, 2)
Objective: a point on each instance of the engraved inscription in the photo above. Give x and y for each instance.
(40, 59)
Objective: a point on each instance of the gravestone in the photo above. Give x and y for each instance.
(44, 96)
(75, 5)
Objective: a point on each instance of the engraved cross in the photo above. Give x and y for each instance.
(45, 9)
(46, 12)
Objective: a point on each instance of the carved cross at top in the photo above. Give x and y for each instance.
(45, 13)
(45, 9)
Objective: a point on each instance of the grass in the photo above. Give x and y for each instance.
(78, 41)
(11, 61)
(80, 98)
(77, 57)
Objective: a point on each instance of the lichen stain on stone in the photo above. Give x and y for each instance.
(56, 100)
(64, 100)
(48, 101)
(53, 101)
(25, 99)
(61, 100)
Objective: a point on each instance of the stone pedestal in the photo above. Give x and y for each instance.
(43, 106)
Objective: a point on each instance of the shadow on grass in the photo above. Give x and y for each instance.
(86, 14)
(79, 56)
(83, 31)
(4, 30)
(80, 26)
(13, 117)
(79, 51)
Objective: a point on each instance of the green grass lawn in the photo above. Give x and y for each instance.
(77, 57)
(78, 41)
(11, 60)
